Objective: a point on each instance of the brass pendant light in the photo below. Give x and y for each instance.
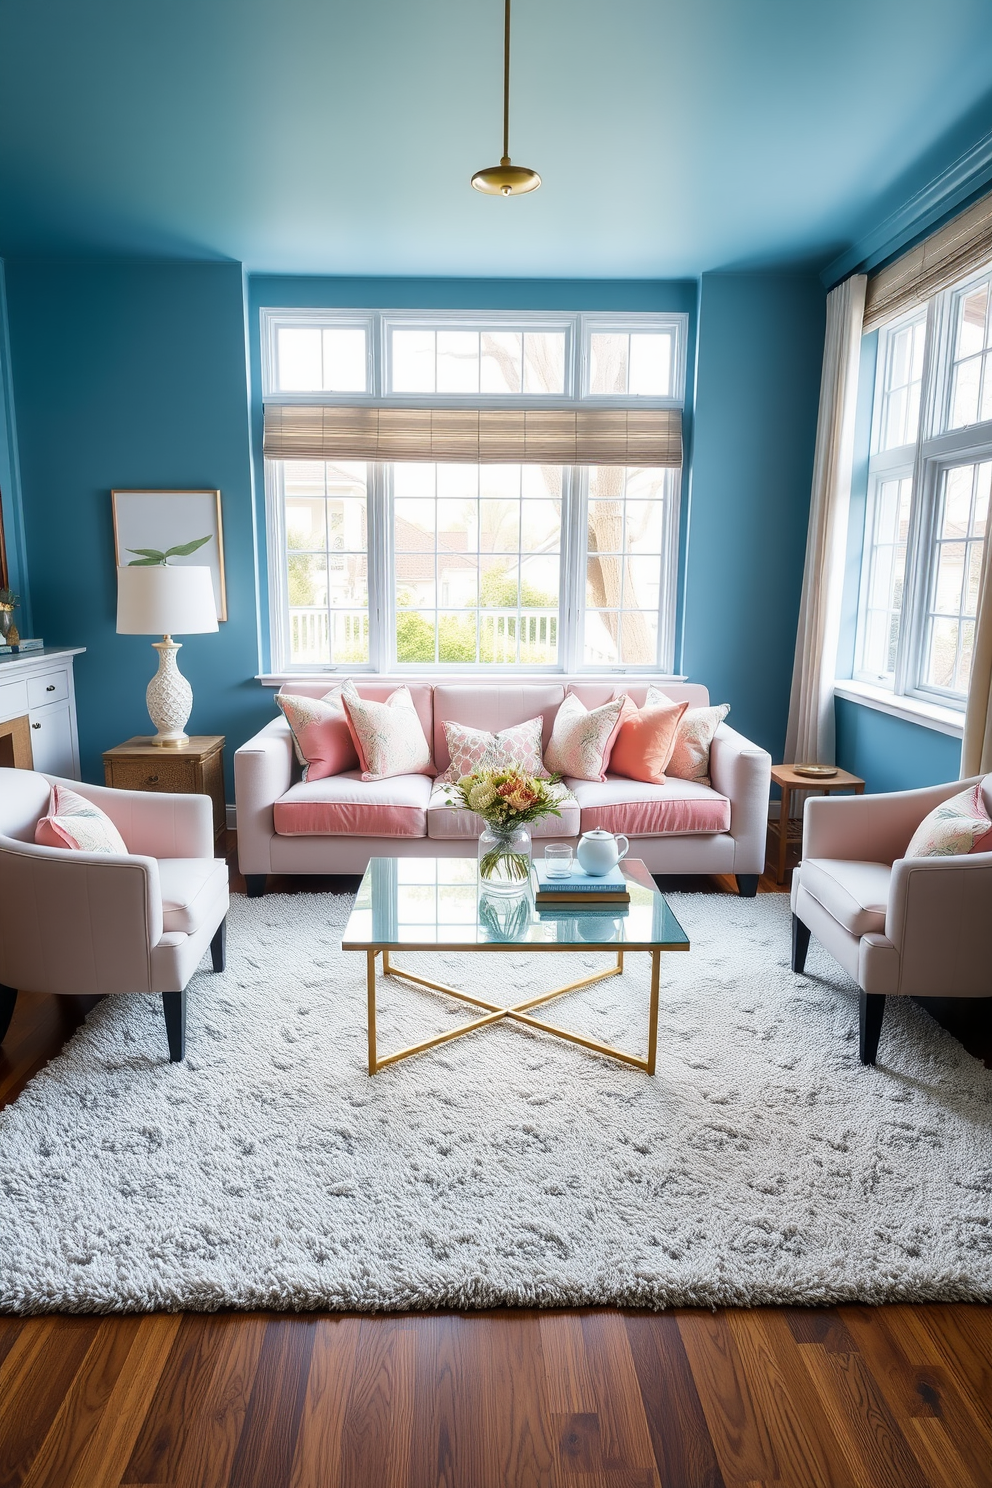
(506, 179)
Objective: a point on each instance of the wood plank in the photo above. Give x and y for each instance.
(267, 1443)
(515, 1423)
(451, 1363)
(625, 1438)
(567, 1383)
(805, 1446)
(910, 1389)
(34, 1380)
(206, 1455)
(680, 1436)
(937, 1452)
(377, 1431)
(81, 1413)
(176, 1404)
(863, 1424)
(737, 1431)
(105, 1456)
(317, 1459)
(822, 1325)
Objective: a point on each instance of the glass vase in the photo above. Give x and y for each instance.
(504, 860)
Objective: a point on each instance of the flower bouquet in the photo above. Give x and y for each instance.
(507, 800)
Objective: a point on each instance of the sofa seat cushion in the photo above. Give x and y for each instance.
(348, 806)
(189, 888)
(677, 808)
(854, 894)
(447, 823)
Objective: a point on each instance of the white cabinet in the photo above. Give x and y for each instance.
(38, 686)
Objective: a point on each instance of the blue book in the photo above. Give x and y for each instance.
(578, 882)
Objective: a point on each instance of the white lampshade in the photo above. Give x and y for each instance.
(165, 600)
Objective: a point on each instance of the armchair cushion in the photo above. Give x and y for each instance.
(75, 823)
(856, 894)
(190, 887)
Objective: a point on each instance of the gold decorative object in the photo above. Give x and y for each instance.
(13, 636)
(816, 772)
(506, 179)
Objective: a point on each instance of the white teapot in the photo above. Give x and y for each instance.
(599, 851)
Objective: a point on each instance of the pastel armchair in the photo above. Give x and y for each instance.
(901, 927)
(78, 922)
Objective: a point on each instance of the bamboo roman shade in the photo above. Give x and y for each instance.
(946, 256)
(505, 436)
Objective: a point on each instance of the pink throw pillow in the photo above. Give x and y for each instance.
(320, 732)
(76, 823)
(478, 749)
(389, 736)
(645, 742)
(582, 738)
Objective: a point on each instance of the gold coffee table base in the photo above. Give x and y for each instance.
(493, 1013)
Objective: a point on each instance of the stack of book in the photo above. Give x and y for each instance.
(580, 888)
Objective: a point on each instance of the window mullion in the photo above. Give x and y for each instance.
(574, 483)
(382, 621)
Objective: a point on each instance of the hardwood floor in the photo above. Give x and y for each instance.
(846, 1397)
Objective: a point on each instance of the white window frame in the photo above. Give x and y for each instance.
(936, 449)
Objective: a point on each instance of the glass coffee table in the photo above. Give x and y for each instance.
(420, 904)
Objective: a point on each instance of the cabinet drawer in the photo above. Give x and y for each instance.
(13, 699)
(176, 776)
(51, 687)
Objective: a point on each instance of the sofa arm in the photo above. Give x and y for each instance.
(869, 829)
(75, 922)
(938, 919)
(263, 771)
(741, 771)
(154, 826)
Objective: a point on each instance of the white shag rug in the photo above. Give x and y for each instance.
(761, 1164)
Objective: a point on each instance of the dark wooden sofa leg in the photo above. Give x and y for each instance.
(255, 884)
(175, 1023)
(8, 996)
(871, 1010)
(747, 885)
(800, 944)
(218, 946)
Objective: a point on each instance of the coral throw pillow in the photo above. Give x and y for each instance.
(477, 749)
(645, 742)
(321, 734)
(74, 822)
(582, 737)
(389, 736)
(960, 825)
(691, 754)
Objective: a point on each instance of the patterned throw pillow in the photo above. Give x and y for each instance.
(321, 735)
(691, 755)
(582, 738)
(960, 825)
(74, 822)
(477, 749)
(389, 736)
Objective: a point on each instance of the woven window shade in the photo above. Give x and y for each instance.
(946, 256)
(499, 436)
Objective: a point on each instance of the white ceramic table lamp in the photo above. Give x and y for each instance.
(163, 600)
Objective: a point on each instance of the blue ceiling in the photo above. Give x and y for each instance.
(674, 136)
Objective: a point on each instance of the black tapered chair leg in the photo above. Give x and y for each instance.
(175, 1023)
(800, 944)
(747, 885)
(218, 946)
(255, 884)
(8, 996)
(871, 1011)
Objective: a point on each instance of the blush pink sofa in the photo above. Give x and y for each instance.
(286, 825)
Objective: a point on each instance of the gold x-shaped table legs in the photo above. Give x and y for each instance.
(493, 1013)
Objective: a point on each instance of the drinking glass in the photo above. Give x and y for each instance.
(558, 859)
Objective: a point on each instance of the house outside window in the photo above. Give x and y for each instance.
(493, 563)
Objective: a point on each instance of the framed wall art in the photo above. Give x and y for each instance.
(150, 522)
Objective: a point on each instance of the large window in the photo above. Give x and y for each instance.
(535, 564)
(930, 472)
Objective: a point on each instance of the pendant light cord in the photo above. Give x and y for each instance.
(506, 83)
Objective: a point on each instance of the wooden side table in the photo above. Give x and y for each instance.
(197, 770)
(785, 777)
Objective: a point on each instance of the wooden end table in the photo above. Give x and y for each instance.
(196, 770)
(785, 777)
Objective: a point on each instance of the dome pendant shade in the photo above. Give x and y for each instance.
(506, 179)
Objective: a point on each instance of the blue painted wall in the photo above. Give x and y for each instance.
(132, 376)
(10, 479)
(757, 389)
(891, 753)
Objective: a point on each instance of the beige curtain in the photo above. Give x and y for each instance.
(810, 732)
(976, 750)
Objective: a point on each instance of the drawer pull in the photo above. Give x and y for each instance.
(153, 780)
(36, 725)
(50, 687)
